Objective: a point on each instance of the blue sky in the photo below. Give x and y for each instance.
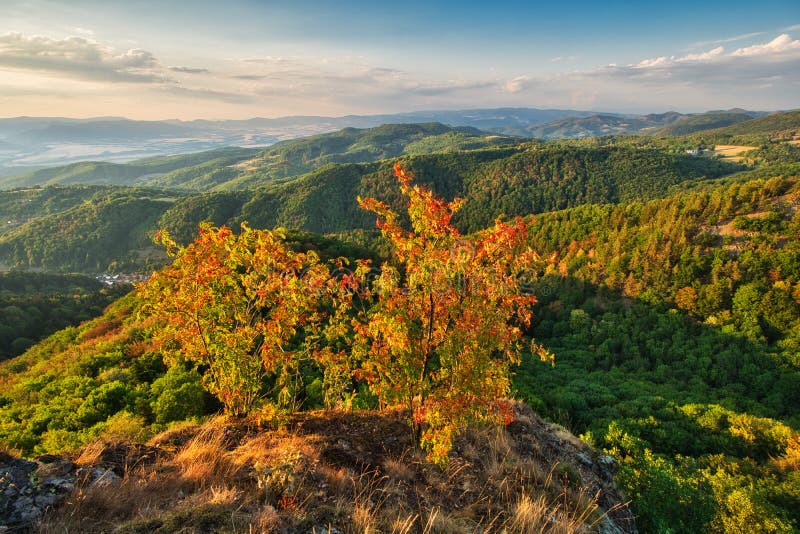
(237, 59)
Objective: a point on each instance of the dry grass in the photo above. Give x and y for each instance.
(204, 459)
(229, 476)
(731, 152)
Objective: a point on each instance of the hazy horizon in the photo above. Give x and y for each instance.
(152, 60)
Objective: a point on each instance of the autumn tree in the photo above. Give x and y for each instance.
(446, 325)
(238, 306)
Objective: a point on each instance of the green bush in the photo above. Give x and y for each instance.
(178, 395)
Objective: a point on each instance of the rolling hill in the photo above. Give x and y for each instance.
(659, 124)
(241, 168)
(698, 123)
(136, 173)
(668, 292)
(48, 141)
(774, 123)
(115, 224)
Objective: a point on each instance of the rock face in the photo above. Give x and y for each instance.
(533, 436)
(28, 489)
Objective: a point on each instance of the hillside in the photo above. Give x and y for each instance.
(592, 126)
(241, 168)
(351, 145)
(697, 123)
(660, 124)
(20, 206)
(141, 172)
(517, 180)
(112, 226)
(775, 122)
(34, 305)
(492, 182)
(780, 126)
(48, 141)
(674, 327)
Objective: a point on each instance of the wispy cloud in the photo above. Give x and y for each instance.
(703, 44)
(189, 70)
(203, 93)
(762, 75)
(249, 77)
(765, 74)
(562, 59)
(703, 56)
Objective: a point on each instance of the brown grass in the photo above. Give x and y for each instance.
(204, 460)
(229, 476)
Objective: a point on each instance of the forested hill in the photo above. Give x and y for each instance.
(676, 329)
(240, 168)
(500, 182)
(662, 124)
(758, 131)
(140, 172)
(116, 226)
(109, 225)
(774, 123)
(705, 121)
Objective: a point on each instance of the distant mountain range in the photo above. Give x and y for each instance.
(27, 143)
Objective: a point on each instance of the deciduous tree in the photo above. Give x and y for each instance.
(238, 306)
(446, 326)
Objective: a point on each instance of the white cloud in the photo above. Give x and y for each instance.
(702, 44)
(83, 31)
(764, 76)
(782, 43)
(704, 56)
(77, 57)
(189, 70)
(561, 59)
(515, 85)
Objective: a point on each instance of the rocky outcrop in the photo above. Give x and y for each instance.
(28, 489)
(593, 470)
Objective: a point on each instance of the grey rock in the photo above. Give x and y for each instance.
(25, 509)
(59, 484)
(102, 478)
(607, 526)
(28, 489)
(608, 462)
(46, 500)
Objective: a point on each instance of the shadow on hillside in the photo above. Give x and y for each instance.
(643, 365)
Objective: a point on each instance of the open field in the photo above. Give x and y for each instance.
(731, 152)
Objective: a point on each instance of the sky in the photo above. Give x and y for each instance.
(170, 59)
